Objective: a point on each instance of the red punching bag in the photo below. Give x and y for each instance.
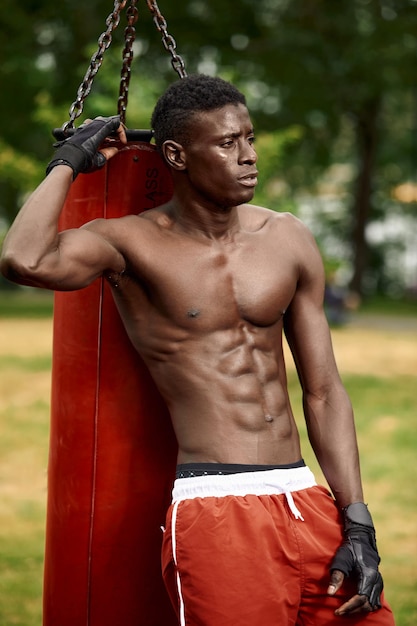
(112, 448)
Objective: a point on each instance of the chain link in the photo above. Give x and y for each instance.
(167, 39)
(130, 34)
(104, 42)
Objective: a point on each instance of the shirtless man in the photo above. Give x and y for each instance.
(205, 285)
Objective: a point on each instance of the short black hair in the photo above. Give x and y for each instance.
(186, 97)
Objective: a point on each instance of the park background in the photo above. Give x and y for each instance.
(331, 86)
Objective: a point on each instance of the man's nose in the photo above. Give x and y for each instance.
(248, 154)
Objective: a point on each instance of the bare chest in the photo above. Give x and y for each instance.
(213, 287)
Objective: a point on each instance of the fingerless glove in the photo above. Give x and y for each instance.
(80, 151)
(359, 554)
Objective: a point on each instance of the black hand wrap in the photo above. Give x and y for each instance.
(80, 151)
(359, 553)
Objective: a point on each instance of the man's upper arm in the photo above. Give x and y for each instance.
(77, 258)
(82, 255)
(305, 322)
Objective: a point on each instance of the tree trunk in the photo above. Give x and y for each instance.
(367, 140)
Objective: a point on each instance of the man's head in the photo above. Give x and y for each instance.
(184, 99)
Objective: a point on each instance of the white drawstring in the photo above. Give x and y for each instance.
(292, 506)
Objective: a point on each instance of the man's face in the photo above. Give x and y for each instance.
(220, 158)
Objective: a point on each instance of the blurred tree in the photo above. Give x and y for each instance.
(342, 72)
(333, 81)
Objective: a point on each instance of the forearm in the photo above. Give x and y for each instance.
(33, 237)
(332, 434)
(34, 253)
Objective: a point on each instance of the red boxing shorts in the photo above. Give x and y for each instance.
(254, 549)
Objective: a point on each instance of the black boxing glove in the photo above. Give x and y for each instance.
(80, 151)
(359, 554)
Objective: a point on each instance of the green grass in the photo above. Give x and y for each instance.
(29, 364)
(21, 575)
(389, 306)
(386, 417)
(24, 432)
(26, 303)
(386, 422)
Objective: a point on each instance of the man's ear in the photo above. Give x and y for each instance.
(174, 154)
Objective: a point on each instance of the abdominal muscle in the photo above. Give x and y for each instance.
(227, 395)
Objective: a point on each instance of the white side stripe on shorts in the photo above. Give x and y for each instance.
(174, 554)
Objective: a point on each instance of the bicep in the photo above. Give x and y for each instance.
(306, 327)
(81, 256)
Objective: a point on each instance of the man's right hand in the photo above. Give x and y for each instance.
(81, 150)
(358, 555)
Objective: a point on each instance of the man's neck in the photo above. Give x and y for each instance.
(208, 222)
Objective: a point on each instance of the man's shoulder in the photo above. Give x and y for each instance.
(256, 209)
(268, 217)
(127, 231)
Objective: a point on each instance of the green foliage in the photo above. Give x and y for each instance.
(19, 170)
(273, 191)
(320, 76)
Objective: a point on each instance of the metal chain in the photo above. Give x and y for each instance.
(104, 42)
(130, 34)
(167, 39)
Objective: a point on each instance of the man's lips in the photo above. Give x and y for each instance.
(249, 180)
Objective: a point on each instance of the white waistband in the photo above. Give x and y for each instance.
(259, 483)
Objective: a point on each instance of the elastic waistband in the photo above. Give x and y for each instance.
(190, 470)
(258, 483)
